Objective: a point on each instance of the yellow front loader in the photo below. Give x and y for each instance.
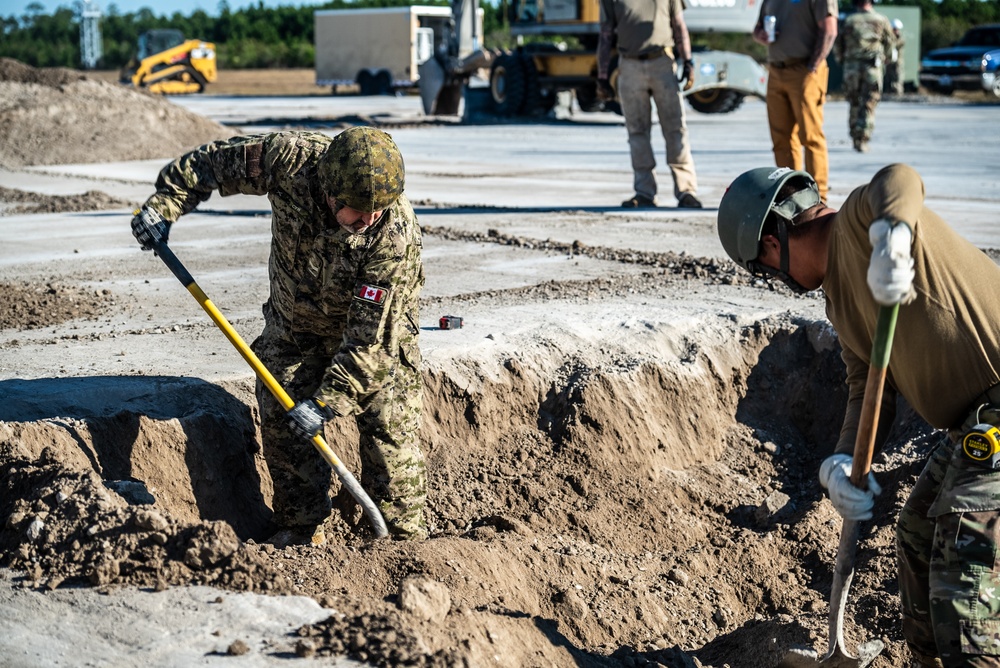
(166, 63)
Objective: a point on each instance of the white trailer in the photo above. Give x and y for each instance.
(378, 49)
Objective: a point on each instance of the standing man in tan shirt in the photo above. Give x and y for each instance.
(884, 247)
(652, 37)
(802, 34)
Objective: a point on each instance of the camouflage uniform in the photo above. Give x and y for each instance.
(863, 46)
(957, 554)
(894, 67)
(341, 323)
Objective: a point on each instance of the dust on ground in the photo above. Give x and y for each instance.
(23, 201)
(32, 306)
(596, 505)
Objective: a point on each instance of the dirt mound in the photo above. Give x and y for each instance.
(17, 72)
(31, 306)
(606, 506)
(58, 116)
(28, 202)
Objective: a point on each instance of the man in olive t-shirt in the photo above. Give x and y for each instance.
(651, 37)
(884, 247)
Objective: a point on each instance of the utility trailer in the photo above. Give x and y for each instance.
(379, 49)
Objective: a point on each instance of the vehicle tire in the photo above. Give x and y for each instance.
(536, 102)
(383, 83)
(715, 100)
(507, 85)
(586, 97)
(615, 105)
(995, 90)
(366, 82)
(125, 75)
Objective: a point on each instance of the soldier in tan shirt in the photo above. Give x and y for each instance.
(341, 321)
(885, 247)
(652, 39)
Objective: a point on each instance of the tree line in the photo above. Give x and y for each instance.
(262, 37)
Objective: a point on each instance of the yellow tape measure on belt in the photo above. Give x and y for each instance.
(982, 445)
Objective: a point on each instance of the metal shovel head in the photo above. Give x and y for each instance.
(807, 658)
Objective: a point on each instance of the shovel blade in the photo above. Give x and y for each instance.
(807, 658)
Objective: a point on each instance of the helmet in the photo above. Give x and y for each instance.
(363, 169)
(897, 24)
(748, 202)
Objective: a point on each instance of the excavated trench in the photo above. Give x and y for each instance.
(586, 508)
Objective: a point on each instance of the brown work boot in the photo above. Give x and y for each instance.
(639, 202)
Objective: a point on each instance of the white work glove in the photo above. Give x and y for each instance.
(890, 271)
(851, 502)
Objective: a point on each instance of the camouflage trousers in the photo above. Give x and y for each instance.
(863, 91)
(949, 567)
(393, 471)
(893, 79)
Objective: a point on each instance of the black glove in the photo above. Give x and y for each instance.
(687, 75)
(306, 418)
(149, 228)
(604, 91)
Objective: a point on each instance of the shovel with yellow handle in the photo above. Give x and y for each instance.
(151, 230)
(837, 655)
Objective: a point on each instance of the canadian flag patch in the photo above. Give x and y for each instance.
(372, 293)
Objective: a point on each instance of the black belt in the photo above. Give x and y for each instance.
(789, 63)
(984, 409)
(649, 55)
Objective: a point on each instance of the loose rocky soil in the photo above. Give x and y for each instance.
(59, 116)
(599, 504)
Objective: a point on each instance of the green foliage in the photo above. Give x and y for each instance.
(941, 32)
(258, 36)
(255, 37)
(945, 21)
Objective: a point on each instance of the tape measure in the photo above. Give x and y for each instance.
(982, 445)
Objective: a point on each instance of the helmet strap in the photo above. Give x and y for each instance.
(782, 273)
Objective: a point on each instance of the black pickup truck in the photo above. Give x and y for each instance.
(972, 63)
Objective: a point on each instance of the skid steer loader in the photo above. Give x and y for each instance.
(167, 63)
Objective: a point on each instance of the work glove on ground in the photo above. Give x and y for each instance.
(687, 75)
(604, 91)
(853, 503)
(890, 271)
(306, 418)
(149, 228)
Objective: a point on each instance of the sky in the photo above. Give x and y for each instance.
(159, 7)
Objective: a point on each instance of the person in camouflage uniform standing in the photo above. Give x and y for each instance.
(863, 46)
(341, 322)
(894, 70)
(885, 247)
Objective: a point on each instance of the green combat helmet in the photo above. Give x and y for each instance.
(746, 206)
(363, 169)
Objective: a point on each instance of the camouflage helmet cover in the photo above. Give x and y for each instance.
(363, 169)
(747, 203)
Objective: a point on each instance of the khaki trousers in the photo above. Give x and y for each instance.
(795, 98)
(638, 82)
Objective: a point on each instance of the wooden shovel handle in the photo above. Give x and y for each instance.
(864, 445)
